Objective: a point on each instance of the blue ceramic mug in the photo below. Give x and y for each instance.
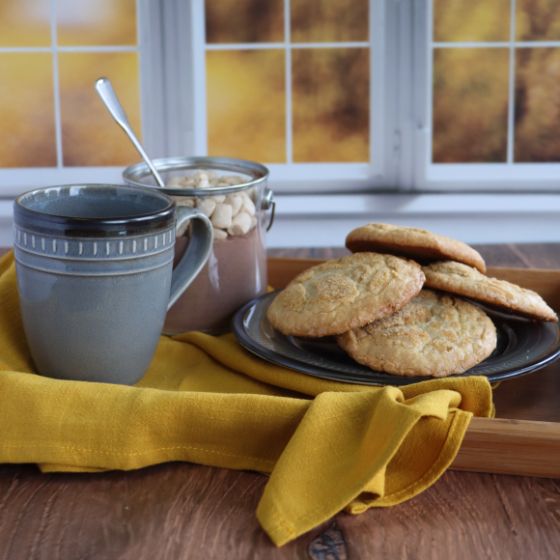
(95, 279)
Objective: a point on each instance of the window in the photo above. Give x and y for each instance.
(492, 70)
(337, 96)
(457, 94)
(54, 127)
(297, 84)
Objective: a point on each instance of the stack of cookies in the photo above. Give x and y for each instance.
(376, 304)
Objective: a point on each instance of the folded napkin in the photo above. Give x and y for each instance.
(328, 446)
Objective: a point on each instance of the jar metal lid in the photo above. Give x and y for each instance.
(139, 174)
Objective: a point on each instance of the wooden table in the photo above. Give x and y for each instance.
(189, 511)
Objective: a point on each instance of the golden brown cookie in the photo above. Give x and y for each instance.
(345, 293)
(463, 280)
(418, 244)
(433, 335)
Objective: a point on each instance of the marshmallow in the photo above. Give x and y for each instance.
(219, 234)
(184, 201)
(236, 202)
(234, 214)
(240, 225)
(222, 216)
(206, 206)
(249, 206)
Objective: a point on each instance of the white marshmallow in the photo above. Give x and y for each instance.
(219, 233)
(236, 202)
(184, 201)
(222, 216)
(240, 225)
(249, 206)
(206, 206)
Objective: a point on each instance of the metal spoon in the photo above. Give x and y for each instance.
(111, 101)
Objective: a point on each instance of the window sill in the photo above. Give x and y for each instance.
(410, 203)
(324, 220)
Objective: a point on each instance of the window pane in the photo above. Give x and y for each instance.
(27, 110)
(325, 20)
(244, 21)
(96, 22)
(245, 93)
(330, 119)
(470, 105)
(537, 105)
(89, 134)
(538, 20)
(471, 20)
(25, 23)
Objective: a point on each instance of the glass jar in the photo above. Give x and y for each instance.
(234, 194)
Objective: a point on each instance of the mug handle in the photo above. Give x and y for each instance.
(197, 253)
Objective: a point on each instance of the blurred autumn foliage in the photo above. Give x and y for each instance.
(471, 20)
(27, 110)
(244, 21)
(330, 105)
(246, 108)
(537, 20)
(317, 21)
(470, 105)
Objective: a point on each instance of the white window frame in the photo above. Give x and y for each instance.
(171, 47)
(15, 180)
(401, 77)
(291, 177)
(454, 177)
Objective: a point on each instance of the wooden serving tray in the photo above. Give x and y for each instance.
(524, 438)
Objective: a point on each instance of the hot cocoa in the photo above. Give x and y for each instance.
(234, 274)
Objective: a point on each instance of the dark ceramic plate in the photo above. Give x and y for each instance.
(523, 347)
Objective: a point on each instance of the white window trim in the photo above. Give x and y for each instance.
(324, 220)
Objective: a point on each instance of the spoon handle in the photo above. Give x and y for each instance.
(109, 97)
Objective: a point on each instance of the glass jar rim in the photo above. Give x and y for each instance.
(140, 175)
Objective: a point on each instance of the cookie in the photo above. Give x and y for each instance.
(463, 280)
(433, 335)
(343, 294)
(418, 244)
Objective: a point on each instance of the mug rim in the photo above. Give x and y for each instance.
(76, 226)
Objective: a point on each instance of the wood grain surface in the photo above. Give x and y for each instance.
(183, 510)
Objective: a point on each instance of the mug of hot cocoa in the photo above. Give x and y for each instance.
(234, 195)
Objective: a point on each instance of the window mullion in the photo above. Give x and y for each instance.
(407, 92)
(152, 77)
(56, 88)
(288, 79)
(511, 86)
(421, 73)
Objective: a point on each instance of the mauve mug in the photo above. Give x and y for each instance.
(95, 279)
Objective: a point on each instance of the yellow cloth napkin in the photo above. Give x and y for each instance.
(328, 446)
